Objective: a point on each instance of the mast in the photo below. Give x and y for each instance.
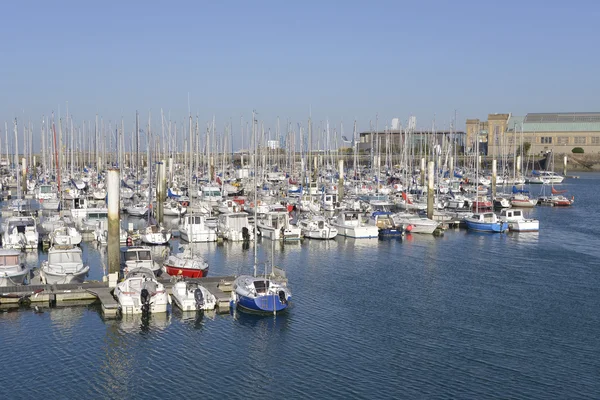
(255, 193)
(56, 155)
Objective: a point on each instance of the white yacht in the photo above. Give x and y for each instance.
(235, 227)
(133, 257)
(65, 235)
(517, 221)
(211, 195)
(64, 265)
(415, 223)
(275, 225)
(192, 296)
(193, 229)
(350, 224)
(20, 233)
(155, 234)
(141, 293)
(12, 271)
(317, 227)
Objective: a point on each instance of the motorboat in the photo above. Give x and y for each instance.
(262, 294)
(517, 221)
(544, 177)
(155, 234)
(186, 264)
(485, 222)
(351, 224)
(81, 208)
(317, 227)
(64, 265)
(415, 223)
(521, 200)
(235, 227)
(65, 235)
(275, 225)
(192, 297)
(20, 232)
(141, 293)
(173, 209)
(137, 210)
(193, 229)
(12, 271)
(211, 195)
(133, 257)
(385, 224)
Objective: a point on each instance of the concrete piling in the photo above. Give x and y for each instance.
(23, 175)
(565, 165)
(430, 190)
(114, 194)
(518, 164)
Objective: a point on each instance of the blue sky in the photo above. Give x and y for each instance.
(343, 60)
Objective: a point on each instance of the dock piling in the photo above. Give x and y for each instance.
(161, 191)
(565, 165)
(113, 192)
(422, 172)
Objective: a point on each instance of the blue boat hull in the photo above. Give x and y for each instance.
(495, 227)
(267, 303)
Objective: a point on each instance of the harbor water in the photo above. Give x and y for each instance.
(465, 315)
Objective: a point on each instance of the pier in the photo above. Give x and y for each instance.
(94, 291)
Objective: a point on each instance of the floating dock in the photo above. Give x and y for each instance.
(90, 292)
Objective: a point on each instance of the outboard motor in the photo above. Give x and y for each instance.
(199, 298)
(145, 297)
(282, 297)
(245, 233)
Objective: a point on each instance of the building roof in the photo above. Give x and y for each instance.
(556, 122)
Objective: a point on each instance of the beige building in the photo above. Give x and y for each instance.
(557, 132)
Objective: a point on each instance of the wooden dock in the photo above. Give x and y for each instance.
(94, 291)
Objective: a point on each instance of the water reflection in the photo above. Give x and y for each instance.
(144, 323)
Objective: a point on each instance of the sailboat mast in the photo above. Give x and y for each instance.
(255, 192)
(56, 155)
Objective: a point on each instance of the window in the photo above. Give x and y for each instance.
(546, 139)
(595, 139)
(579, 139)
(511, 140)
(562, 140)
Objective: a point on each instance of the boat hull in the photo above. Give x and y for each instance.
(186, 272)
(495, 227)
(13, 277)
(51, 278)
(262, 304)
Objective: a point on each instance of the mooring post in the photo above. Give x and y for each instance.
(114, 194)
(430, 190)
(565, 166)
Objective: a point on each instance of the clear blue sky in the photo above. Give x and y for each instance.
(344, 59)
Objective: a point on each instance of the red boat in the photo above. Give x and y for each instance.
(187, 265)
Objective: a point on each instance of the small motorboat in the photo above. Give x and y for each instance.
(141, 293)
(64, 265)
(12, 271)
(191, 297)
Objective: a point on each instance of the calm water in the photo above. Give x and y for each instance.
(461, 316)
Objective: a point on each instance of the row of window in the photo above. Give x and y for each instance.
(564, 140)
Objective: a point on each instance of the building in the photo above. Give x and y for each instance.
(556, 132)
(417, 138)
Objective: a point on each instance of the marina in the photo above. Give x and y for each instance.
(315, 200)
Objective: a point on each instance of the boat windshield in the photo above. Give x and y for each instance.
(144, 255)
(64, 257)
(9, 260)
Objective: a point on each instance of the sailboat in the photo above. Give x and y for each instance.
(262, 294)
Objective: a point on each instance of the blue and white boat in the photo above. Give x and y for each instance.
(384, 222)
(261, 294)
(485, 222)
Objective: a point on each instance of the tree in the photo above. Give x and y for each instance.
(526, 148)
(577, 150)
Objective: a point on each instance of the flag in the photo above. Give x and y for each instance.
(406, 199)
